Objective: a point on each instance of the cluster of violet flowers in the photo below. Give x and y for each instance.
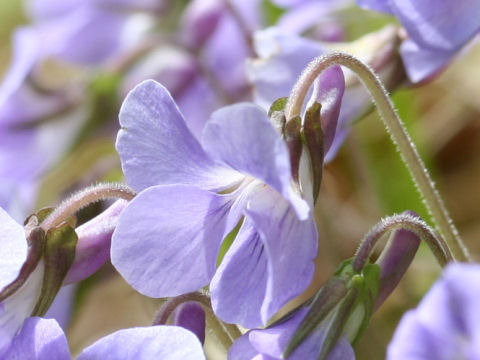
(224, 118)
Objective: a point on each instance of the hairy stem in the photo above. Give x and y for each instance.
(408, 222)
(83, 198)
(397, 131)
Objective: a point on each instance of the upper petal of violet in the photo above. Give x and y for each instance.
(242, 137)
(445, 25)
(156, 147)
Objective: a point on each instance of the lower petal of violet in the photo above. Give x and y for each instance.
(167, 239)
(238, 287)
(290, 245)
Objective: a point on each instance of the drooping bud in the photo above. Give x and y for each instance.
(191, 316)
(394, 261)
(313, 135)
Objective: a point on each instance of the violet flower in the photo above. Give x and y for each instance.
(43, 339)
(192, 195)
(445, 325)
(436, 30)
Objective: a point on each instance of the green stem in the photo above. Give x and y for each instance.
(398, 134)
(407, 222)
(83, 198)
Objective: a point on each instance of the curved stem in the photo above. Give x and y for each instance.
(83, 198)
(226, 334)
(400, 137)
(408, 222)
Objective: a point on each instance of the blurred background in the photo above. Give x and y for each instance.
(365, 182)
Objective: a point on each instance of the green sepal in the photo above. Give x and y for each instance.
(293, 139)
(278, 105)
(336, 326)
(59, 254)
(368, 288)
(313, 134)
(323, 302)
(39, 216)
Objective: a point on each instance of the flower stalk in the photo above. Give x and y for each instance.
(407, 222)
(86, 197)
(399, 136)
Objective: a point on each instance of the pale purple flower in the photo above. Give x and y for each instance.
(192, 194)
(270, 343)
(437, 30)
(43, 339)
(446, 324)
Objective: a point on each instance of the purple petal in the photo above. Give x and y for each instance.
(93, 246)
(17, 307)
(328, 91)
(238, 287)
(463, 283)
(62, 306)
(442, 26)
(191, 316)
(200, 20)
(242, 349)
(146, 343)
(242, 137)
(225, 55)
(421, 63)
(47, 9)
(156, 147)
(290, 245)
(39, 339)
(197, 102)
(167, 239)
(412, 340)
(377, 5)
(283, 57)
(14, 249)
(26, 52)
(307, 13)
(446, 323)
(84, 36)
